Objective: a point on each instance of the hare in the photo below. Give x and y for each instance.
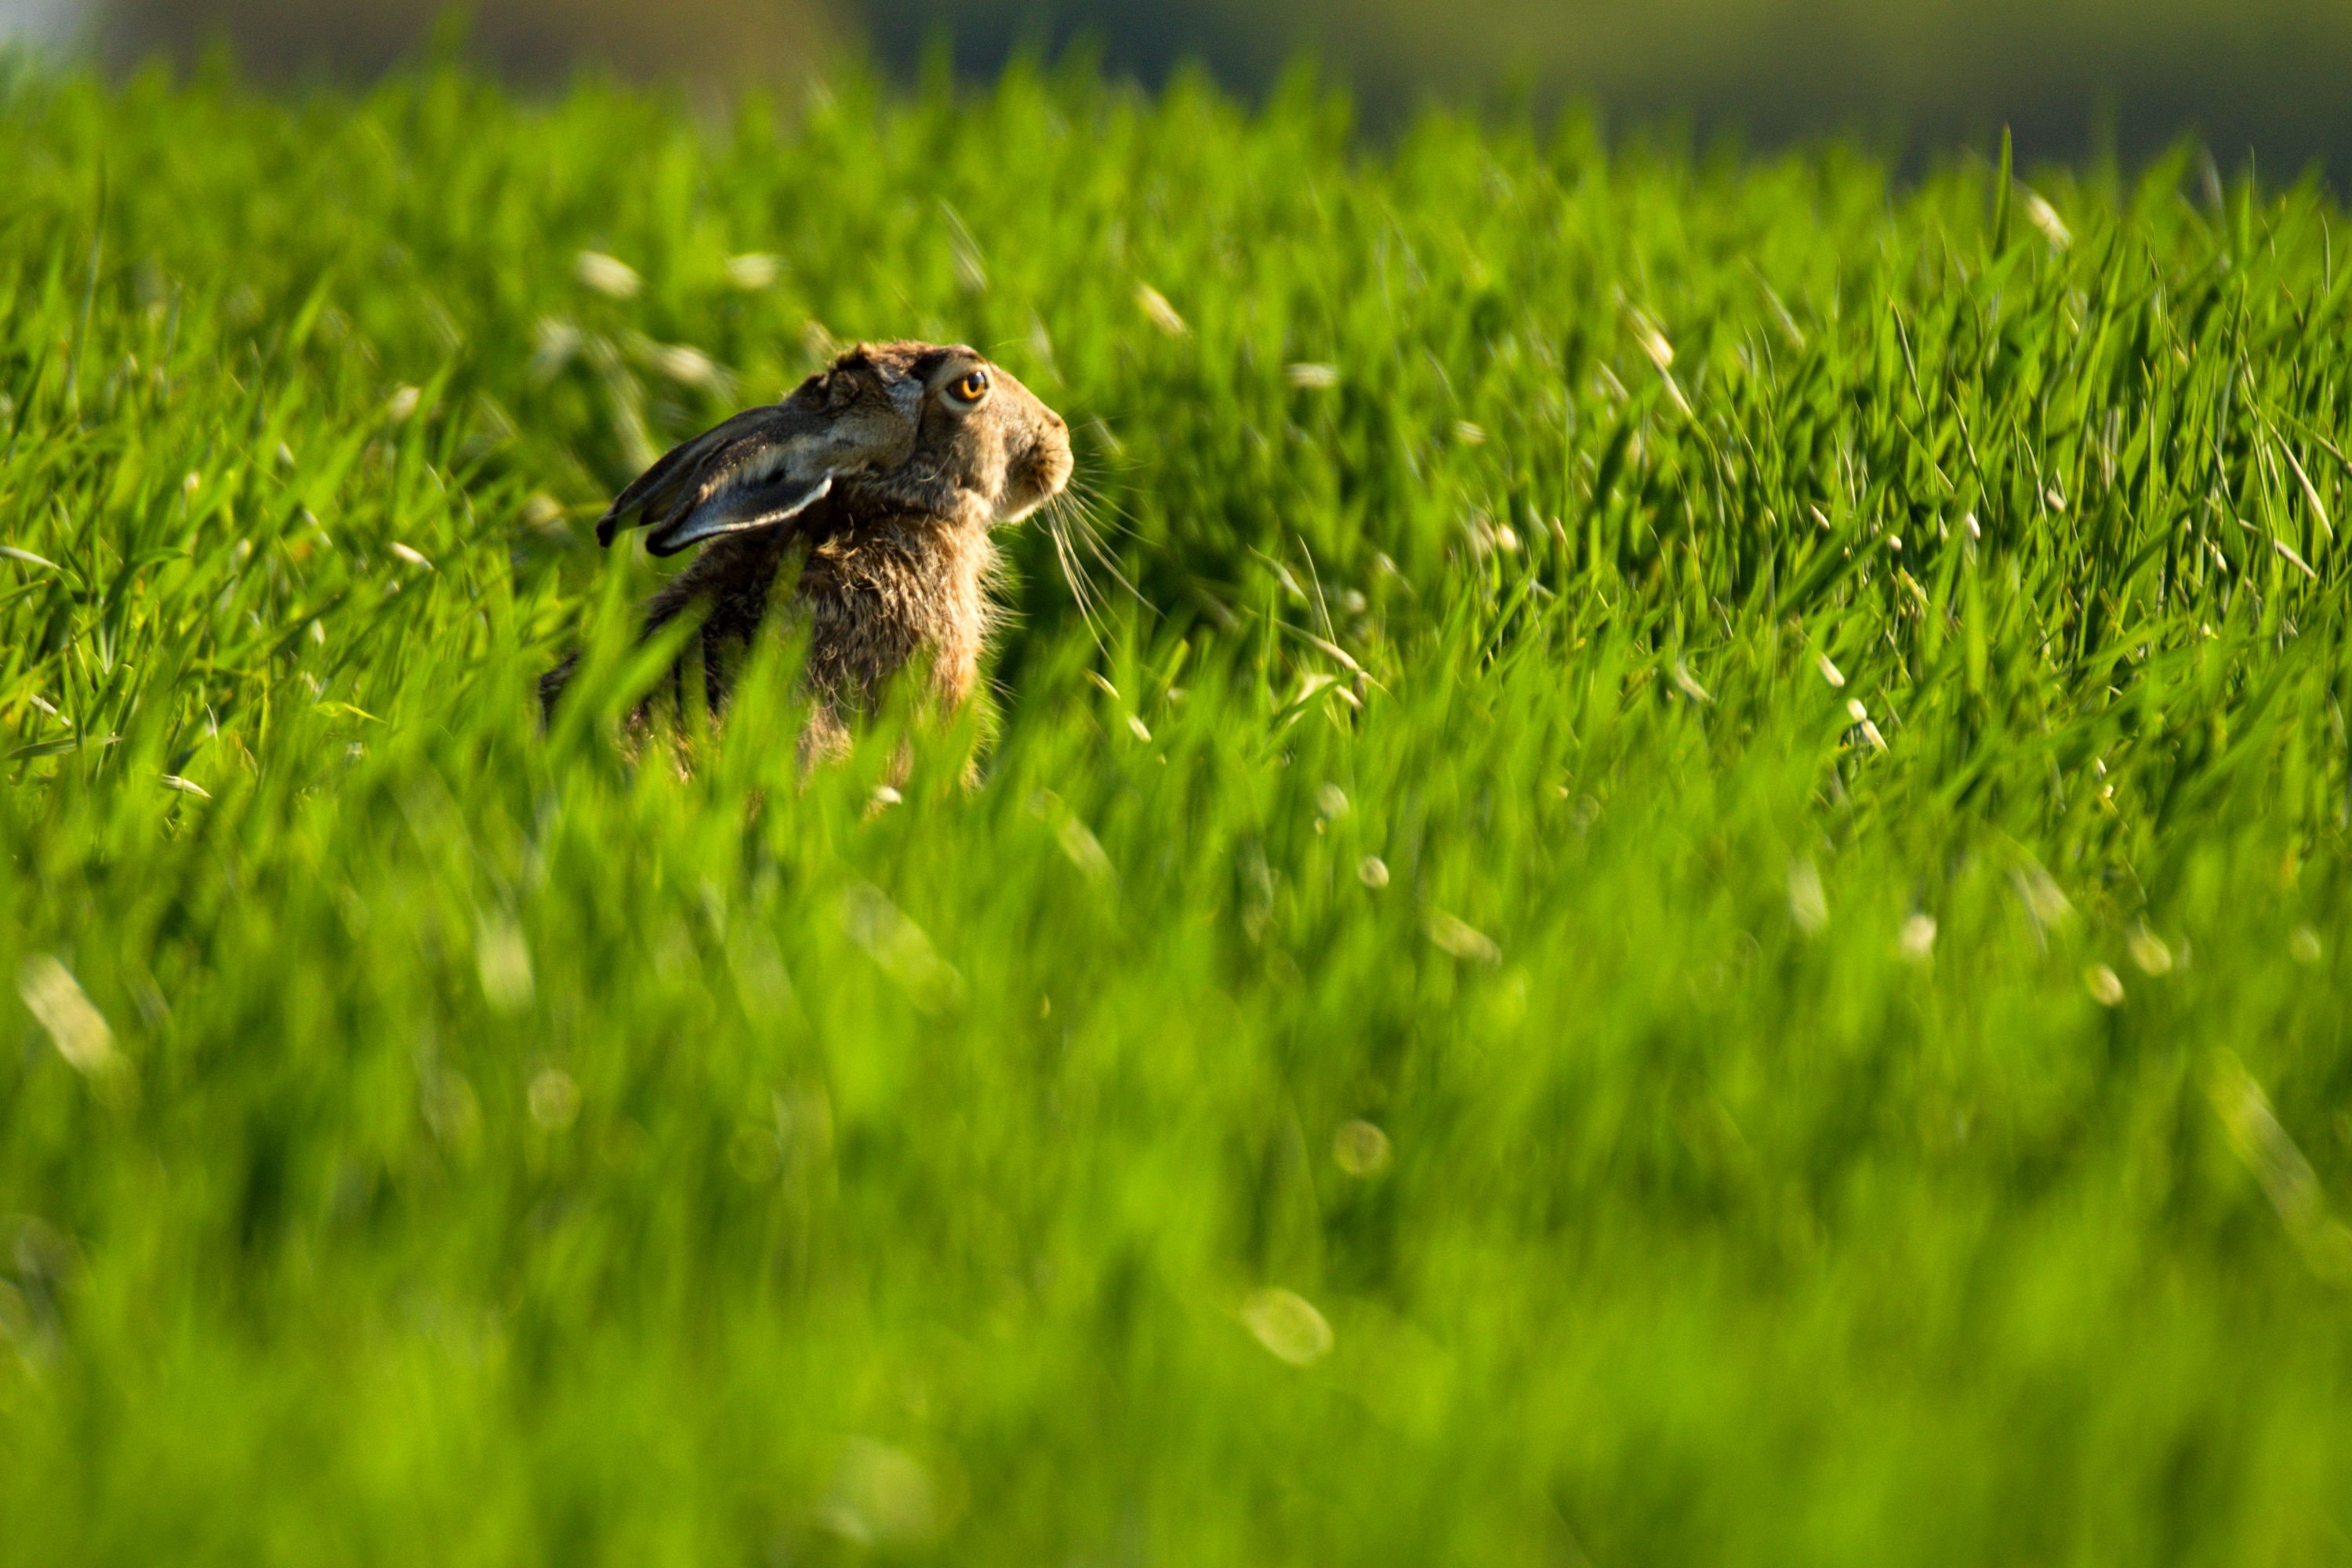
(883, 475)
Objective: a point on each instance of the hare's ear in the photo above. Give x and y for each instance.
(759, 469)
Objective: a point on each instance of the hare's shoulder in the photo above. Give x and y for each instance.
(731, 582)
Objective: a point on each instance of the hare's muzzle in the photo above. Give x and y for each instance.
(1039, 470)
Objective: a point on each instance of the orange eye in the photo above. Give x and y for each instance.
(973, 386)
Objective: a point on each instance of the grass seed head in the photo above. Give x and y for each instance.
(2043, 216)
(1361, 1149)
(2287, 1177)
(502, 962)
(1809, 902)
(2043, 896)
(753, 270)
(606, 275)
(687, 365)
(1463, 940)
(1288, 1325)
(553, 1100)
(883, 1498)
(1918, 938)
(74, 1026)
(2148, 951)
(1159, 312)
(1652, 337)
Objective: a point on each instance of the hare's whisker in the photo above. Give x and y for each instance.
(1074, 571)
(1093, 502)
(1089, 535)
(1110, 563)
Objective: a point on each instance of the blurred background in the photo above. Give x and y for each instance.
(2260, 77)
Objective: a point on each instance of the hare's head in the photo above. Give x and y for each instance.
(984, 449)
(905, 427)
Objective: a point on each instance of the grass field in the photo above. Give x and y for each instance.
(1701, 916)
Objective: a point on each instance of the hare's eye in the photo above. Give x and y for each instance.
(973, 388)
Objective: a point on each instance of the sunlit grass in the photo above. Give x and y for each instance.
(1695, 913)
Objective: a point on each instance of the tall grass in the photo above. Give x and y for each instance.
(1699, 915)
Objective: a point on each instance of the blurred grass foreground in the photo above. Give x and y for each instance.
(1704, 921)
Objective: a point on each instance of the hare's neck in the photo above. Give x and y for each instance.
(950, 609)
(878, 599)
(970, 615)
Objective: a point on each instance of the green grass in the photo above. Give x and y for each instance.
(500, 1151)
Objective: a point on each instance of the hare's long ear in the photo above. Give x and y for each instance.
(758, 470)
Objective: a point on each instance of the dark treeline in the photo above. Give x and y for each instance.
(2259, 77)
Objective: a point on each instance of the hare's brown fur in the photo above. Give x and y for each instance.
(873, 597)
(871, 494)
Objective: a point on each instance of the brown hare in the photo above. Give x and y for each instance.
(881, 476)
